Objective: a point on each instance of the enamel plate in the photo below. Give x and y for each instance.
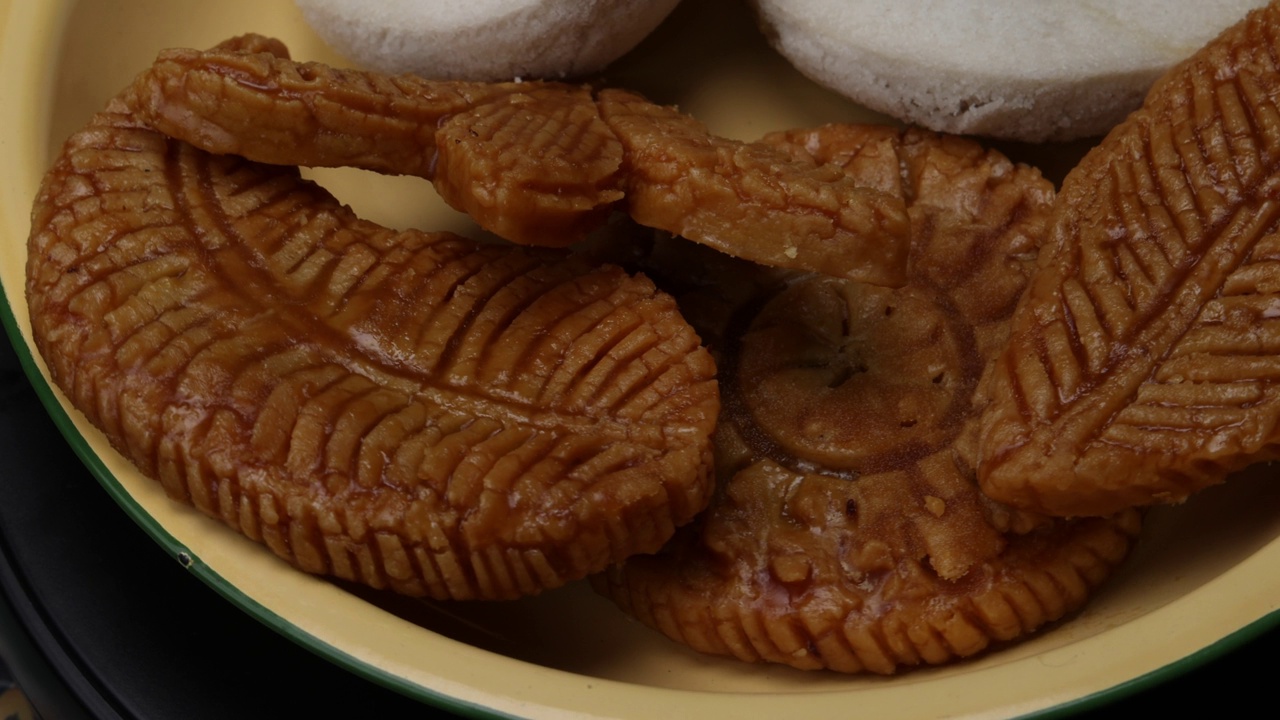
(1205, 575)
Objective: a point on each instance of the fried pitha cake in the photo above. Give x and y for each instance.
(1142, 364)
(535, 162)
(847, 530)
(408, 410)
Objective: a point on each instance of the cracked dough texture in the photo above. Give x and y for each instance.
(485, 39)
(1031, 71)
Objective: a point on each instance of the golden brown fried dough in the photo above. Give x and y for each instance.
(537, 163)
(531, 162)
(848, 531)
(1143, 361)
(403, 409)
(752, 202)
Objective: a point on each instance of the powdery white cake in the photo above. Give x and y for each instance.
(485, 39)
(1030, 70)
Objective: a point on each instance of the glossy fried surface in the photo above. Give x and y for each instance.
(848, 531)
(752, 202)
(532, 162)
(404, 409)
(1142, 364)
(537, 163)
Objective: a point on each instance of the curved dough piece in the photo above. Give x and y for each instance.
(532, 162)
(403, 409)
(537, 163)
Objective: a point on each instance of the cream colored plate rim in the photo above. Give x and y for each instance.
(1237, 604)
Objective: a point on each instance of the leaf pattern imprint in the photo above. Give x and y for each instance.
(1143, 359)
(408, 410)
